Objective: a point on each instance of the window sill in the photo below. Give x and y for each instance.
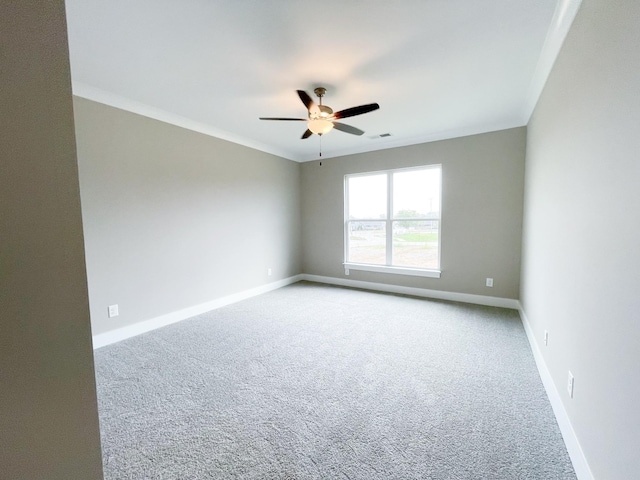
(417, 272)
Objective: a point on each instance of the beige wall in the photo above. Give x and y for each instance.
(482, 188)
(48, 410)
(581, 260)
(175, 218)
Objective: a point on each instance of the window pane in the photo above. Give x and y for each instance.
(415, 243)
(416, 193)
(367, 243)
(368, 197)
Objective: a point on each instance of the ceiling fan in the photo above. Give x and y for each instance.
(322, 119)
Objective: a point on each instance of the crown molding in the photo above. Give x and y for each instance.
(563, 17)
(89, 92)
(384, 144)
(113, 100)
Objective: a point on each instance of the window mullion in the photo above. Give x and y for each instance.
(347, 218)
(389, 243)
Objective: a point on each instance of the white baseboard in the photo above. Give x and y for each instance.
(580, 464)
(113, 336)
(129, 331)
(417, 292)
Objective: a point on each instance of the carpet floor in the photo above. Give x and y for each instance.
(318, 382)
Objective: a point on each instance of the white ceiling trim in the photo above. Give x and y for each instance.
(520, 113)
(101, 96)
(563, 17)
(107, 98)
(386, 143)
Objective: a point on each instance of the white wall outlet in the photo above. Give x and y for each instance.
(269, 272)
(346, 271)
(489, 282)
(570, 384)
(546, 338)
(113, 311)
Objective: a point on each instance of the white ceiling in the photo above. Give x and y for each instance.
(438, 68)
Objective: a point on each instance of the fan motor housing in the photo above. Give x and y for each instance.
(320, 112)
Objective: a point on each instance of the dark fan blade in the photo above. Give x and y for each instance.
(350, 112)
(306, 99)
(347, 128)
(306, 134)
(280, 118)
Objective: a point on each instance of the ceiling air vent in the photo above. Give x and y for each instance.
(382, 135)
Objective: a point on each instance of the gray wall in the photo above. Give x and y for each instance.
(581, 260)
(48, 409)
(482, 194)
(175, 218)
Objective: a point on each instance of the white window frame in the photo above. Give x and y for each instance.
(388, 268)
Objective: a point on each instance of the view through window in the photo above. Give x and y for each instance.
(392, 219)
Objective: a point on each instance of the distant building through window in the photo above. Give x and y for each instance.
(392, 221)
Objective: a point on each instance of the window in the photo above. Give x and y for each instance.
(392, 221)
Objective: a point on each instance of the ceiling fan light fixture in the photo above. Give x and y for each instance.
(321, 118)
(320, 126)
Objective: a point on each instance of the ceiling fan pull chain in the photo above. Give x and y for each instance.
(320, 144)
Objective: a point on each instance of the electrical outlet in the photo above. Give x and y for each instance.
(546, 338)
(346, 271)
(113, 311)
(489, 282)
(570, 384)
(268, 271)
